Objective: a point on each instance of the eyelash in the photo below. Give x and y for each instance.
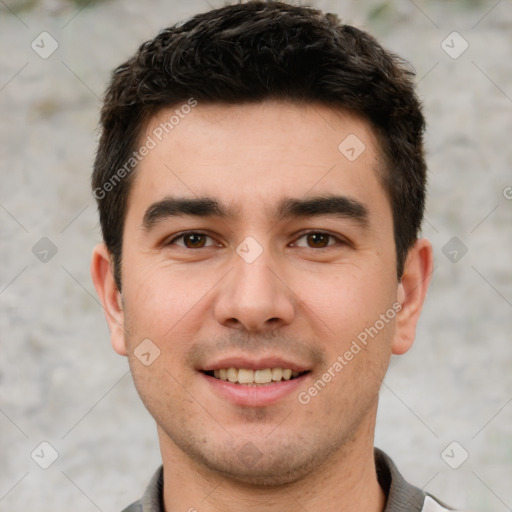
(301, 235)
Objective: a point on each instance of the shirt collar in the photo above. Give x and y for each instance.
(401, 496)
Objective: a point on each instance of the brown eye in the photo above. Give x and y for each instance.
(191, 240)
(318, 240)
(194, 240)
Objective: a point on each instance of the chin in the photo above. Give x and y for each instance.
(278, 464)
(266, 474)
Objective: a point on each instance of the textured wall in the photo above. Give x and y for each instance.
(61, 383)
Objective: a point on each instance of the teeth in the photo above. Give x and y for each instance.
(232, 375)
(277, 374)
(263, 376)
(245, 376)
(248, 376)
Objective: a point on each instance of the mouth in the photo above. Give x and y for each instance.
(255, 381)
(255, 378)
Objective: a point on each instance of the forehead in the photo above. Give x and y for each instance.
(251, 156)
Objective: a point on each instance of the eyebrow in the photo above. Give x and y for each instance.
(184, 206)
(323, 205)
(332, 205)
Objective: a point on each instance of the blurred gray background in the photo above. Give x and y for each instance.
(61, 383)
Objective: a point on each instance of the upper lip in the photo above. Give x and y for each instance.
(254, 363)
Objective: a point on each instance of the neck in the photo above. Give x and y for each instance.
(347, 481)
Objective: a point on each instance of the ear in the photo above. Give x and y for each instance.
(411, 294)
(109, 295)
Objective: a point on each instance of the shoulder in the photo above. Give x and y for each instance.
(152, 499)
(401, 495)
(432, 504)
(134, 507)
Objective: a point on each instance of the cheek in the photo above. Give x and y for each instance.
(347, 300)
(161, 300)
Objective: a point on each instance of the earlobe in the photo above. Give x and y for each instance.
(411, 293)
(109, 295)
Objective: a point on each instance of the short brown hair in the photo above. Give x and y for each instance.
(252, 52)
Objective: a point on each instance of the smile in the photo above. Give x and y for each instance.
(250, 377)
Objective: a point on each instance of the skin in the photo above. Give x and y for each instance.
(301, 299)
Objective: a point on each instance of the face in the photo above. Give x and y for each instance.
(259, 291)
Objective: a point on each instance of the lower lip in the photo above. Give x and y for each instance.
(255, 396)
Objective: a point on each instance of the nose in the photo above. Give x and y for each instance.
(254, 296)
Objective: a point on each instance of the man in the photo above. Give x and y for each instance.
(261, 183)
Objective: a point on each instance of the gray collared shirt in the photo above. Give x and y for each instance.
(401, 496)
